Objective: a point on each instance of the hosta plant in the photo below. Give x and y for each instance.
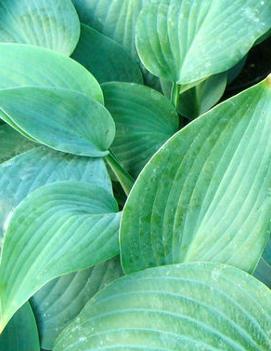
(135, 175)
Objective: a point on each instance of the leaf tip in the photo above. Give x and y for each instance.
(268, 80)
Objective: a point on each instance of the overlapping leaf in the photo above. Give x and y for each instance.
(21, 334)
(115, 19)
(206, 194)
(105, 58)
(61, 300)
(200, 306)
(25, 173)
(38, 67)
(263, 270)
(59, 228)
(144, 121)
(53, 24)
(201, 98)
(12, 143)
(59, 118)
(185, 42)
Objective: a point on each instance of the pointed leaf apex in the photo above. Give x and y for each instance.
(268, 80)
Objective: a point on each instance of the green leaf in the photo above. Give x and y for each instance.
(263, 270)
(185, 42)
(105, 58)
(59, 228)
(144, 121)
(201, 98)
(53, 24)
(80, 125)
(61, 300)
(27, 172)
(200, 306)
(12, 143)
(21, 334)
(205, 195)
(38, 67)
(116, 19)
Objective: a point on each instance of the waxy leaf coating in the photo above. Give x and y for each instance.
(62, 119)
(59, 228)
(200, 306)
(104, 58)
(205, 195)
(29, 171)
(53, 24)
(39, 67)
(61, 300)
(186, 41)
(144, 120)
(21, 333)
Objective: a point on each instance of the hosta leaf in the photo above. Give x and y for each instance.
(115, 19)
(12, 143)
(61, 300)
(59, 228)
(263, 270)
(21, 333)
(80, 125)
(206, 194)
(33, 66)
(200, 306)
(187, 41)
(53, 24)
(23, 174)
(201, 98)
(105, 58)
(144, 121)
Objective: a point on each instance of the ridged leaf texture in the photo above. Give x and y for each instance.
(105, 58)
(144, 120)
(205, 195)
(53, 24)
(61, 300)
(59, 228)
(199, 306)
(186, 41)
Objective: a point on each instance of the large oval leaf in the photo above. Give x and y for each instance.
(59, 118)
(21, 333)
(59, 228)
(105, 58)
(33, 66)
(185, 42)
(12, 143)
(190, 307)
(27, 172)
(61, 300)
(206, 194)
(144, 121)
(53, 24)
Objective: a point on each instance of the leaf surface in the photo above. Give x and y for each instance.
(53, 24)
(61, 300)
(39, 67)
(62, 119)
(59, 228)
(205, 195)
(144, 121)
(199, 306)
(21, 334)
(187, 41)
(105, 58)
(12, 143)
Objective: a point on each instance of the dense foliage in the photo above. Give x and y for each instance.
(135, 175)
